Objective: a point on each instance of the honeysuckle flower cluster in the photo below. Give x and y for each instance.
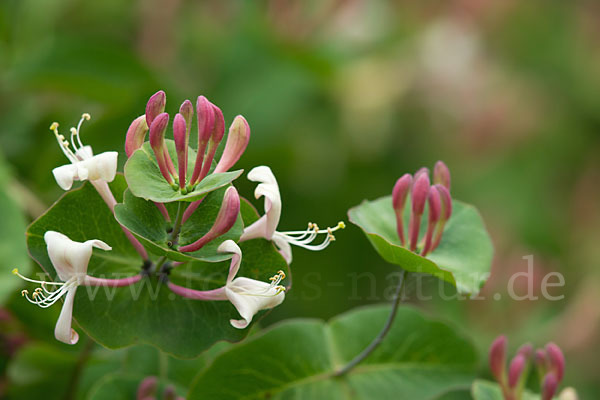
(423, 193)
(70, 258)
(549, 362)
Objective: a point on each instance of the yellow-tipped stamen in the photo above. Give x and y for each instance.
(72, 154)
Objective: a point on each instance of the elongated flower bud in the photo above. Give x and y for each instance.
(515, 370)
(213, 143)
(399, 195)
(497, 357)
(228, 214)
(420, 192)
(441, 174)
(549, 386)
(157, 142)
(526, 350)
(147, 388)
(187, 111)
(181, 145)
(541, 361)
(155, 106)
(237, 141)
(136, 134)
(206, 122)
(557, 360)
(435, 206)
(446, 212)
(421, 171)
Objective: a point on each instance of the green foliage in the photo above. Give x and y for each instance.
(146, 312)
(145, 180)
(485, 390)
(419, 359)
(463, 257)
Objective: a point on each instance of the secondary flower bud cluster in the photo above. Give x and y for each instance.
(549, 362)
(420, 193)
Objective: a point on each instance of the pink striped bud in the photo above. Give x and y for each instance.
(399, 195)
(435, 206)
(557, 360)
(237, 141)
(515, 370)
(441, 174)
(136, 134)
(157, 142)
(181, 145)
(420, 192)
(206, 122)
(549, 386)
(147, 388)
(497, 357)
(155, 106)
(228, 214)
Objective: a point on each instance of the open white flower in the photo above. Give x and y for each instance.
(84, 164)
(249, 296)
(70, 260)
(266, 226)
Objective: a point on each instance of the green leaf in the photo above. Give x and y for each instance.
(485, 390)
(463, 257)
(419, 359)
(145, 180)
(146, 222)
(146, 312)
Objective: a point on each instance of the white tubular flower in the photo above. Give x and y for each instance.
(70, 260)
(266, 226)
(84, 164)
(249, 296)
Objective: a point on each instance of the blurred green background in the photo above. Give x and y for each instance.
(343, 96)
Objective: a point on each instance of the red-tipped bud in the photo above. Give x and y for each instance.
(557, 360)
(187, 111)
(497, 357)
(181, 145)
(441, 174)
(515, 370)
(155, 106)
(147, 388)
(549, 386)
(157, 142)
(136, 134)
(219, 127)
(206, 119)
(435, 208)
(420, 192)
(237, 141)
(421, 171)
(526, 350)
(399, 195)
(228, 214)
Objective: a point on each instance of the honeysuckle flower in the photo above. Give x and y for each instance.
(84, 164)
(437, 196)
(266, 226)
(248, 296)
(70, 260)
(228, 214)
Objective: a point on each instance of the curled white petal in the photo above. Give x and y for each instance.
(285, 249)
(266, 226)
(63, 330)
(102, 166)
(69, 258)
(249, 296)
(65, 175)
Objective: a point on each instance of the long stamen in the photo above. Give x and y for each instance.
(64, 145)
(275, 280)
(304, 238)
(16, 272)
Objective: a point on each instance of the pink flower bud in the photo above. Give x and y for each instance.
(541, 360)
(445, 213)
(497, 357)
(181, 145)
(441, 174)
(228, 214)
(169, 393)
(399, 194)
(435, 206)
(219, 127)
(420, 192)
(155, 106)
(136, 134)
(237, 141)
(157, 142)
(557, 360)
(187, 111)
(147, 388)
(549, 386)
(421, 171)
(526, 350)
(515, 370)
(206, 122)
